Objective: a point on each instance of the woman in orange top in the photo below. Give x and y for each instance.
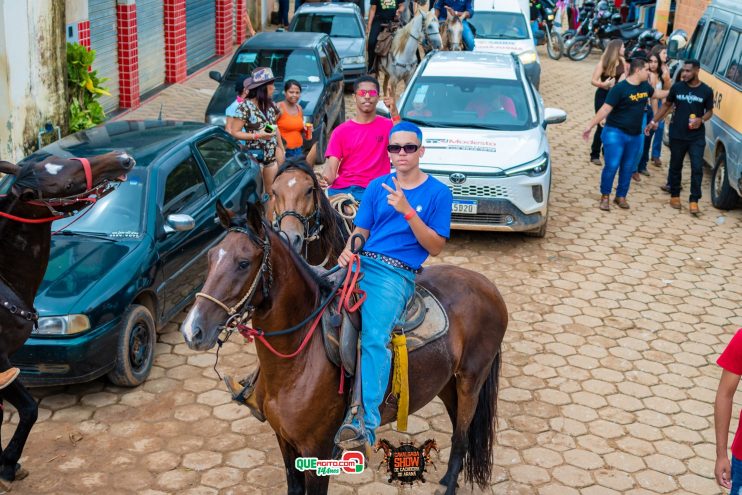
(291, 120)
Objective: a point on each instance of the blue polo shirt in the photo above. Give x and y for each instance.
(389, 232)
(456, 5)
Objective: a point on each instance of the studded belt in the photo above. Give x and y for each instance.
(394, 262)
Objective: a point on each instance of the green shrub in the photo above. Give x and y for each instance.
(84, 89)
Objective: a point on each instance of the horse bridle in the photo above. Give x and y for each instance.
(242, 310)
(91, 195)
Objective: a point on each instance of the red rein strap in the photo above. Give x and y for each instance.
(88, 181)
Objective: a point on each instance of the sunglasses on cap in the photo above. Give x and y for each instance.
(367, 92)
(408, 148)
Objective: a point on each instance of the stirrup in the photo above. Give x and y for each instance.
(245, 395)
(350, 436)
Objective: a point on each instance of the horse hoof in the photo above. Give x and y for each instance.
(5, 486)
(20, 472)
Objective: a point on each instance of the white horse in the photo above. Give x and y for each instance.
(454, 31)
(401, 61)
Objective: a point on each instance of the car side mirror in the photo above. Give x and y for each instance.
(554, 116)
(382, 110)
(178, 222)
(335, 78)
(215, 75)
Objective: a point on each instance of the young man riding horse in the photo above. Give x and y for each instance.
(405, 217)
(461, 9)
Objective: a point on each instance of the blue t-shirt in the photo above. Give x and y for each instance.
(389, 232)
(231, 110)
(456, 5)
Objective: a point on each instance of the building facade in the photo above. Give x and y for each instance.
(679, 14)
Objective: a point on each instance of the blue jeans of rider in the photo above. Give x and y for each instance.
(736, 477)
(355, 191)
(468, 36)
(621, 153)
(387, 291)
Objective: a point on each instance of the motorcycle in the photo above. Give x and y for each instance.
(601, 31)
(545, 18)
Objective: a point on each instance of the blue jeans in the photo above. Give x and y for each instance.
(468, 36)
(736, 477)
(657, 143)
(620, 153)
(646, 141)
(355, 191)
(387, 291)
(294, 152)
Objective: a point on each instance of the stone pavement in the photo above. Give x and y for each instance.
(609, 375)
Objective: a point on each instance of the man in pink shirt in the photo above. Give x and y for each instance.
(728, 475)
(356, 153)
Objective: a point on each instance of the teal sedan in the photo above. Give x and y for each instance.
(125, 267)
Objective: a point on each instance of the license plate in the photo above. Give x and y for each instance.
(463, 206)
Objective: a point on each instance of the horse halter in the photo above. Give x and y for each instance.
(242, 310)
(311, 223)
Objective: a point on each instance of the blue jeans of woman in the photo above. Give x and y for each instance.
(657, 142)
(294, 152)
(736, 477)
(387, 291)
(647, 142)
(620, 152)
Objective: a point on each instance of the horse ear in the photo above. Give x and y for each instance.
(255, 216)
(225, 215)
(9, 168)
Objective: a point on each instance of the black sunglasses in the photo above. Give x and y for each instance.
(408, 148)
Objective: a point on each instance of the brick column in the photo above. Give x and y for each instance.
(241, 24)
(83, 33)
(128, 50)
(176, 63)
(224, 26)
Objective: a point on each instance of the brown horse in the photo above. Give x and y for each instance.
(41, 192)
(305, 216)
(254, 270)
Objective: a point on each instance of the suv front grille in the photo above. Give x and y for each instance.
(479, 190)
(482, 218)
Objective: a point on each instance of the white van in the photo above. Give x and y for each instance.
(502, 26)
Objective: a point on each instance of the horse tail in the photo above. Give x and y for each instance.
(481, 434)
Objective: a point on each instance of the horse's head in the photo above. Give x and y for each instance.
(65, 178)
(296, 201)
(454, 33)
(237, 265)
(432, 31)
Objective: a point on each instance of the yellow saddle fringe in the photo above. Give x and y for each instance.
(400, 382)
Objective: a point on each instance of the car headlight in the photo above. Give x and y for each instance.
(535, 167)
(62, 325)
(528, 57)
(217, 120)
(353, 60)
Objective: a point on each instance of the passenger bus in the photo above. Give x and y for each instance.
(717, 44)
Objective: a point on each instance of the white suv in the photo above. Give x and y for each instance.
(484, 130)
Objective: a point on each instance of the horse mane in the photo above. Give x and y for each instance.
(332, 237)
(400, 39)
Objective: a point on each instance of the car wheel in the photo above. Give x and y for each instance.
(136, 347)
(539, 232)
(723, 196)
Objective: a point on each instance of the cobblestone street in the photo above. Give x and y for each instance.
(609, 374)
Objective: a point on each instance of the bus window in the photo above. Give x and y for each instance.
(712, 45)
(695, 41)
(726, 54)
(734, 71)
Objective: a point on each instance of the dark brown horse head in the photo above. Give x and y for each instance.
(234, 265)
(56, 177)
(296, 192)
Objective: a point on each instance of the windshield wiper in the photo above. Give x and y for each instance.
(483, 126)
(427, 123)
(92, 235)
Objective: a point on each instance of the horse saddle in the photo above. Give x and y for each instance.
(384, 41)
(424, 321)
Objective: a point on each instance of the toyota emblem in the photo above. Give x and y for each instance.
(457, 178)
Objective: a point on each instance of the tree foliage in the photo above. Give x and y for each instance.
(84, 88)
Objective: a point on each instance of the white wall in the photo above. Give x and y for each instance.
(75, 11)
(32, 72)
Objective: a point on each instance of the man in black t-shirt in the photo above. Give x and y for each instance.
(380, 12)
(622, 138)
(693, 102)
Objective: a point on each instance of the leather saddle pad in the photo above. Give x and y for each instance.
(425, 321)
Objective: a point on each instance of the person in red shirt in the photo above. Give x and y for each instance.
(728, 475)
